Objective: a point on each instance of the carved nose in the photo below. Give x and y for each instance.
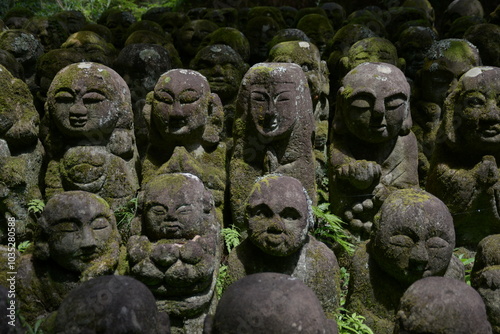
(78, 109)
(88, 240)
(419, 254)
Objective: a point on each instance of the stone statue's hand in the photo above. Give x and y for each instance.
(192, 252)
(360, 173)
(165, 254)
(487, 171)
(138, 248)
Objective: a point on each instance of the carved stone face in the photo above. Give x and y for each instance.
(80, 227)
(181, 103)
(190, 35)
(307, 56)
(375, 101)
(87, 99)
(413, 236)
(222, 67)
(412, 45)
(446, 61)
(318, 28)
(259, 31)
(273, 96)
(174, 207)
(478, 107)
(278, 215)
(372, 49)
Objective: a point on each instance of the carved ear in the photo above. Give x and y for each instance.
(407, 122)
(338, 124)
(215, 120)
(146, 110)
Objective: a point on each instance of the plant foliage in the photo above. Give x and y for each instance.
(330, 228)
(125, 214)
(232, 237)
(36, 206)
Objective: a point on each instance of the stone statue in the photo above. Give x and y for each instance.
(78, 241)
(372, 150)
(110, 304)
(441, 305)
(223, 67)
(269, 303)
(412, 238)
(21, 156)
(185, 121)
(445, 62)
(464, 172)
(272, 131)
(178, 254)
(89, 134)
(485, 277)
(278, 214)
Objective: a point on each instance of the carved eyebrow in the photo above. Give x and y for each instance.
(367, 91)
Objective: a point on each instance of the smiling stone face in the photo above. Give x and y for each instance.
(413, 236)
(80, 227)
(477, 106)
(175, 207)
(181, 104)
(278, 215)
(375, 101)
(86, 99)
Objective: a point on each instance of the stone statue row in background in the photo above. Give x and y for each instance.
(222, 143)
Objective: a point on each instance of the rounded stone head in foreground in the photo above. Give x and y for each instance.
(269, 303)
(441, 305)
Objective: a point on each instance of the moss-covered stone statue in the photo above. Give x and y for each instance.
(372, 49)
(279, 217)
(185, 120)
(464, 172)
(442, 305)
(485, 277)
(231, 37)
(308, 57)
(373, 151)
(412, 238)
(89, 134)
(178, 252)
(78, 241)
(141, 65)
(445, 62)
(223, 67)
(110, 304)
(187, 39)
(318, 28)
(259, 31)
(273, 131)
(21, 156)
(269, 303)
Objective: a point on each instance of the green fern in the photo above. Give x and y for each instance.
(221, 283)
(330, 228)
(232, 237)
(23, 246)
(36, 206)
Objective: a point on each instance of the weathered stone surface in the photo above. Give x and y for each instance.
(272, 131)
(78, 240)
(111, 304)
(178, 254)
(279, 216)
(89, 134)
(464, 172)
(441, 305)
(269, 303)
(412, 237)
(372, 150)
(21, 156)
(185, 121)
